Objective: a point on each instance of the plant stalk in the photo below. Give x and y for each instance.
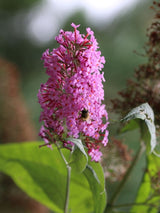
(68, 181)
(67, 189)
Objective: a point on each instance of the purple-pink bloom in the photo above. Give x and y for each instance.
(74, 86)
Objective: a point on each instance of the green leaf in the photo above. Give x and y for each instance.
(157, 150)
(33, 170)
(78, 160)
(144, 112)
(95, 176)
(79, 144)
(131, 125)
(93, 173)
(148, 199)
(42, 174)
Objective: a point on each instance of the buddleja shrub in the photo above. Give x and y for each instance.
(64, 172)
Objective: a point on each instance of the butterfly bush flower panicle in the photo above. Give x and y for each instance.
(71, 99)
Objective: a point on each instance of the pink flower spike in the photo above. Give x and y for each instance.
(72, 98)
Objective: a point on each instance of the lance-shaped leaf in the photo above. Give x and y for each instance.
(144, 112)
(78, 160)
(79, 144)
(95, 176)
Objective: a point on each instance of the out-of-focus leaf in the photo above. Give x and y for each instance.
(144, 112)
(148, 197)
(157, 150)
(131, 125)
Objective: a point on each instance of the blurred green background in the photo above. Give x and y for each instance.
(117, 38)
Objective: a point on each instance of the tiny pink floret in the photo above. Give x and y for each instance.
(95, 155)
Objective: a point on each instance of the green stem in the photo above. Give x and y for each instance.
(67, 190)
(68, 181)
(122, 183)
